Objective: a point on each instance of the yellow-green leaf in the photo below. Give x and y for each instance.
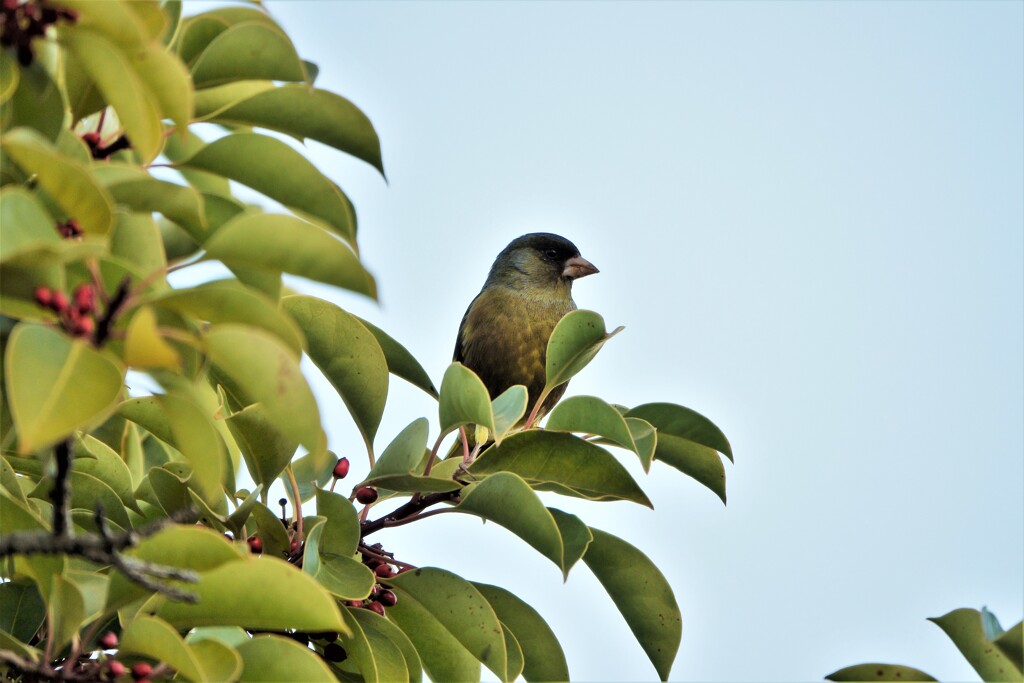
(143, 345)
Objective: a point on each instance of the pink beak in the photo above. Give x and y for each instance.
(578, 267)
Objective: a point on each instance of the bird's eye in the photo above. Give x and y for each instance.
(551, 253)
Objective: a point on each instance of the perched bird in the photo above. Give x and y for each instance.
(504, 334)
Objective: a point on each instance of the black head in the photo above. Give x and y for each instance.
(541, 257)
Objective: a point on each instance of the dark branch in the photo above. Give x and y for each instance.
(59, 494)
(104, 324)
(411, 508)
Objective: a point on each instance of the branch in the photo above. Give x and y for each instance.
(104, 324)
(411, 508)
(59, 494)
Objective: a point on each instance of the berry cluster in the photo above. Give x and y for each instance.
(76, 316)
(380, 596)
(69, 229)
(100, 151)
(23, 22)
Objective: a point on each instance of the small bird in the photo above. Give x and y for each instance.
(504, 334)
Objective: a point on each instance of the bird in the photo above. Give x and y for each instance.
(504, 333)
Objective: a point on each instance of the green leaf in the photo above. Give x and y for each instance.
(271, 530)
(341, 530)
(27, 225)
(515, 661)
(248, 51)
(218, 661)
(56, 385)
(96, 458)
(168, 80)
(297, 110)
(264, 593)
(276, 659)
(684, 423)
(507, 500)
(508, 409)
(397, 468)
(574, 342)
(65, 180)
(136, 239)
(344, 577)
(121, 85)
(267, 372)
(964, 627)
(65, 611)
(197, 439)
(266, 450)
(459, 608)
(312, 471)
(282, 174)
(348, 355)
(559, 462)
(113, 19)
(879, 672)
(542, 653)
(147, 412)
(401, 363)
(379, 633)
(591, 415)
(575, 535)
(155, 638)
(286, 244)
(645, 436)
(35, 103)
(443, 656)
(9, 76)
(179, 203)
(21, 610)
(464, 400)
(642, 595)
(228, 301)
(1011, 644)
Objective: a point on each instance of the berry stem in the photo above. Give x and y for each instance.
(297, 499)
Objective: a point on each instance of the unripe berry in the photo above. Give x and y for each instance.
(256, 544)
(387, 598)
(366, 495)
(85, 298)
(115, 668)
(384, 571)
(375, 606)
(341, 469)
(108, 640)
(141, 670)
(44, 296)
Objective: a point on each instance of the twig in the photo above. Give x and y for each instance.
(382, 557)
(535, 413)
(433, 455)
(59, 494)
(104, 324)
(408, 510)
(423, 515)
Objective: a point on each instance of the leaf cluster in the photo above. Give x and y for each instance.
(130, 404)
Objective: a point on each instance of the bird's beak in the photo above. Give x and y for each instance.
(578, 267)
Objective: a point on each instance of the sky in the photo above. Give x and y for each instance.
(809, 219)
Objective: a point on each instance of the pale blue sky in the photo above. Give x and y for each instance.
(809, 218)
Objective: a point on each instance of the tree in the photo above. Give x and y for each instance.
(127, 540)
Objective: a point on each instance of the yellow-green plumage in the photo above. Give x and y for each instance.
(504, 334)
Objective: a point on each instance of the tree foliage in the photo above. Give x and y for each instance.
(136, 413)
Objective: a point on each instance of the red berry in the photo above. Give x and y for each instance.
(387, 598)
(83, 326)
(354, 603)
(256, 544)
(115, 668)
(108, 640)
(366, 495)
(85, 298)
(295, 545)
(141, 670)
(375, 606)
(59, 302)
(91, 139)
(44, 296)
(384, 571)
(341, 469)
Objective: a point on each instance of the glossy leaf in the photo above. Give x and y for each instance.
(289, 403)
(554, 461)
(684, 423)
(464, 400)
(283, 174)
(286, 244)
(401, 363)
(121, 86)
(156, 639)
(543, 656)
(287, 599)
(227, 301)
(459, 608)
(348, 355)
(56, 385)
(276, 659)
(642, 595)
(297, 110)
(507, 500)
(879, 672)
(964, 627)
(574, 342)
(67, 181)
(252, 50)
(267, 451)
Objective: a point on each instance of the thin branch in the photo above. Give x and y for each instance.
(423, 515)
(382, 557)
(535, 413)
(433, 455)
(60, 494)
(411, 508)
(104, 324)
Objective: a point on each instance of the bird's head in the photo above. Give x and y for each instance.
(539, 259)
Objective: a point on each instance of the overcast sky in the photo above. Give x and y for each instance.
(809, 218)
